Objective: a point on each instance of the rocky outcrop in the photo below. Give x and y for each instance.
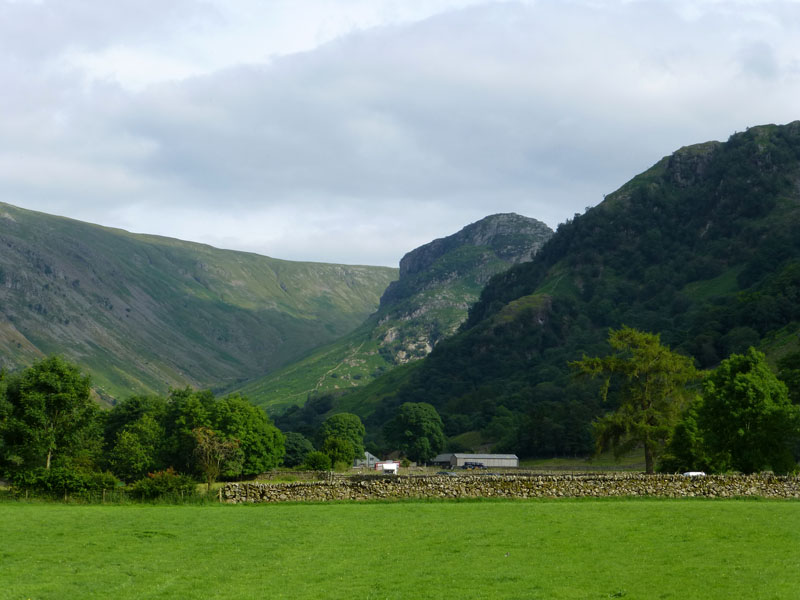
(516, 486)
(511, 236)
(440, 280)
(688, 165)
(508, 236)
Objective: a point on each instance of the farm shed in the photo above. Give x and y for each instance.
(369, 461)
(492, 461)
(442, 460)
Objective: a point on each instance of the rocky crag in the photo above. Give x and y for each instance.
(438, 283)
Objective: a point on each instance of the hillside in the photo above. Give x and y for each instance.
(701, 248)
(438, 282)
(142, 313)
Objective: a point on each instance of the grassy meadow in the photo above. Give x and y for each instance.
(482, 549)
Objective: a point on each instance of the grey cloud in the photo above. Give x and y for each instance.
(387, 138)
(34, 30)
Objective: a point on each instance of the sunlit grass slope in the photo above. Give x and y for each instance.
(664, 549)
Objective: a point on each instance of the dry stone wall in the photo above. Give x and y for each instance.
(516, 486)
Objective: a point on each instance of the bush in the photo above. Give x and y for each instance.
(64, 481)
(318, 461)
(163, 485)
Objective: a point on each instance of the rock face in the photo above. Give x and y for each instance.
(508, 237)
(438, 283)
(440, 280)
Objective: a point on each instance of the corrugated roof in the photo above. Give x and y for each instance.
(514, 456)
(443, 457)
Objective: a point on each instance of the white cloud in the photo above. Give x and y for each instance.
(397, 123)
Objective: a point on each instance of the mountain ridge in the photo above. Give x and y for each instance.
(426, 304)
(143, 313)
(700, 248)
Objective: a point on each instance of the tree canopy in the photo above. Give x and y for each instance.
(346, 427)
(50, 416)
(746, 419)
(417, 431)
(652, 386)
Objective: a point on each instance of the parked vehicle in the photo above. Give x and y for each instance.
(473, 465)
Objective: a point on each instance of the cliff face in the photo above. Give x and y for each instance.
(510, 236)
(440, 280)
(438, 283)
(503, 238)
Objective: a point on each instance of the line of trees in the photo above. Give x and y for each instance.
(53, 434)
(738, 417)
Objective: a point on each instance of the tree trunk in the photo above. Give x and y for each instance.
(49, 454)
(648, 459)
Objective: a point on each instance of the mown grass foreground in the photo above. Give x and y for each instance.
(511, 549)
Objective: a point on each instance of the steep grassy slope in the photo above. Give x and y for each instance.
(702, 248)
(142, 313)
(437, 284)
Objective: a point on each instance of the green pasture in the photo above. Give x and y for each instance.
(512, 549)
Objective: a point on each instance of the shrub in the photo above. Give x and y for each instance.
(318, 461)
(163, 485)
(64, 481)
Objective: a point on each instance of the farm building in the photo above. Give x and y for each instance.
(442, 460)
(369, 461)
(492, 461)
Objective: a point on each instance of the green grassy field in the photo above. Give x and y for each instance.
(523, 549)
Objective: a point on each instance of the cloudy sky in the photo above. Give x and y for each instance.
(355, 130)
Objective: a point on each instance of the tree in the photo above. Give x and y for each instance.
(345, 426)
(339, 450)
(746, 419)
(52, 416)
(261, 444)
(417, 431)
(318, 461)
(653, 386)
(136, 449)
(187, 409)
(129, 411)
(212, 451)
(297, 448)
(5, 415)
(789, 373)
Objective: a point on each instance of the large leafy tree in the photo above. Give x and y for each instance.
(345, 426)
(789, 373)
(652, 385)
(261, 445)
(187, 409)
(416, 430)
(339, 450)
(746, 420)
(129, 411)
(298, 447)
(137, 448)
(52, 416)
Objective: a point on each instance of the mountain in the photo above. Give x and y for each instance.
(426, 304)
(702, 248)
(143, 313)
